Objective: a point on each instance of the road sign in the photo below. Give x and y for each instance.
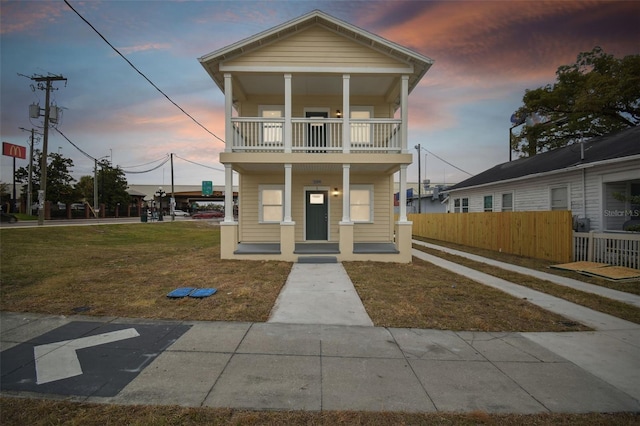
(15, 151)
(207, 187)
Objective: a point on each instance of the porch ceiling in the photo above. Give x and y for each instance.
(306, 84)
(316, 168)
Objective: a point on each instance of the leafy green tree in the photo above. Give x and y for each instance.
(84, 188)
(597, 95)
(59, 180)
(112, 186)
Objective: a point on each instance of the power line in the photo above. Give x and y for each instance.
(445, 161)
(198, 164)
(142, 74)
(149, 170)
(74, 145)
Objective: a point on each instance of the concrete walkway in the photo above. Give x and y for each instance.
(319, 294)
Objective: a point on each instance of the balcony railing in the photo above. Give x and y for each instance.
(316, 135)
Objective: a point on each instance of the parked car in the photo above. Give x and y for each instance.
(7, 217)
(178, 212)
(208, 214)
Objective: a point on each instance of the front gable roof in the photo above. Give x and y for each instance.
(417, 63)
(621, 145)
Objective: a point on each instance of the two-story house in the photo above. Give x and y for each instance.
(316, 114)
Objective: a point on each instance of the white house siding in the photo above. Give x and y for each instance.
(316, 47)
(534, 194)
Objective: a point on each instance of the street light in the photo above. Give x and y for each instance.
(95, 184)
(160, 193)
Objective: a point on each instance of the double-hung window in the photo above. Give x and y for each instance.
(361, 128)
(559, 198)
(271, 203)
(361, 199)
(488, 203)
(272, 131)
(507, 202)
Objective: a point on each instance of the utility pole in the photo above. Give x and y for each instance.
(42, 195)
(29, 187)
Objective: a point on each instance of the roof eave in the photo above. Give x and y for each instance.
(551, 172)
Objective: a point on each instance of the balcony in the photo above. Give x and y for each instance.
(316, 135)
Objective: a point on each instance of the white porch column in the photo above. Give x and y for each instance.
(404, 113)
(228, 111)
(228, 193)
(287, 193)
(346, 194)
(287, 113)
(403, 193)
(346, 115)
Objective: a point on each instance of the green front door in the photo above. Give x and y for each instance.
(317, 217)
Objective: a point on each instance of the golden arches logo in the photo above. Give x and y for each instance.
(12, 150)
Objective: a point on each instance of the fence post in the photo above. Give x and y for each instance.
(590, 246)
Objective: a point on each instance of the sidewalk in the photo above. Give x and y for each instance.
(288, 365)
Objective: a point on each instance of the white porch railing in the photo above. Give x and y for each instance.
(316, 135)
(612, 248)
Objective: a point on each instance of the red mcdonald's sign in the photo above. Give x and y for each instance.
(15, 151)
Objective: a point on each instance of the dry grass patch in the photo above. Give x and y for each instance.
(592, 301)
(632, 287)
(421, 295)
(16, 411)
(127, 270)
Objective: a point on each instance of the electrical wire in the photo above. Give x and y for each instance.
(145, 164)
(142, 74)
(74, 145)
(149, 170)
(198, 164)
(445, 161)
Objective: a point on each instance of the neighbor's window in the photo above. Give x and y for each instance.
(559, 198)
(361, 198)
(456, 205)
(271, 205)
(507, 202)
(488, 203)
(465, 205)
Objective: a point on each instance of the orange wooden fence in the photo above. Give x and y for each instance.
(539, 234)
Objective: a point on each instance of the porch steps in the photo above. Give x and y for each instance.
(317, 259)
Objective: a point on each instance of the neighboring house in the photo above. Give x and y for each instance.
(594, 179)
(319, 129)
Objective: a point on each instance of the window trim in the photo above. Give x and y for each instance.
(370, 189)
(502, 201)
(267, 187)
(465, 208)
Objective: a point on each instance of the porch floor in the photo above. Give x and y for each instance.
(315, 248)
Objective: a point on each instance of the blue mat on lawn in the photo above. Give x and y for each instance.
(202, 292)
(180, 292)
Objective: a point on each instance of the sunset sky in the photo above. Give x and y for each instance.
(487, 53)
